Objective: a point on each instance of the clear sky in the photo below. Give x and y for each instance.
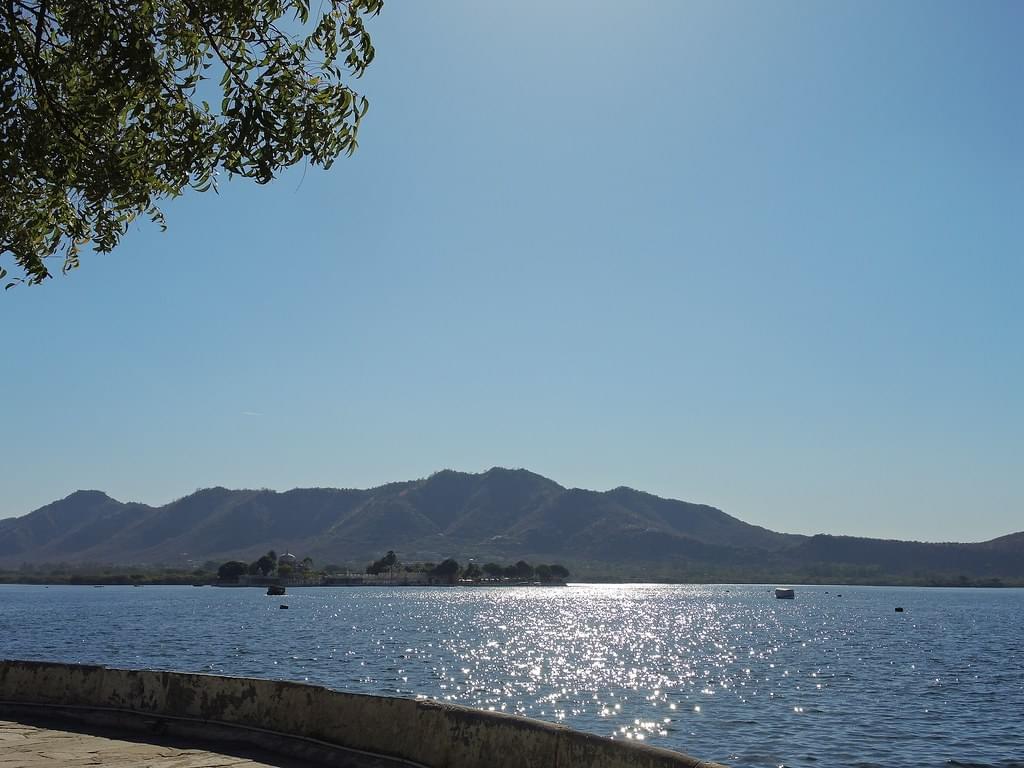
(766, 256)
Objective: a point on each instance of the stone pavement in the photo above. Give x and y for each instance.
(36, 746)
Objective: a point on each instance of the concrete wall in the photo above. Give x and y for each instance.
(428, 733)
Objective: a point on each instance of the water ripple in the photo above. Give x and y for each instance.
(726, 673)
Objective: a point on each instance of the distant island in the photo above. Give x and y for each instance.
(499, 517)
(288, 570)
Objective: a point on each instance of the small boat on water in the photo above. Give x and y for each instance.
(784, 593)
(275, 589)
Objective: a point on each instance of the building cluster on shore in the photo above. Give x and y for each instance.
(287, 570)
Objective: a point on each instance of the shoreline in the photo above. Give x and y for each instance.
(43, 582)
(312, 724)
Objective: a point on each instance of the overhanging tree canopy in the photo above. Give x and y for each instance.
(109, 106)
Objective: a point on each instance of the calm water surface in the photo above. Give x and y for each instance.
(722, 672)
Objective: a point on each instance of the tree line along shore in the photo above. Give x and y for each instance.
(389, 569)
(288, 569)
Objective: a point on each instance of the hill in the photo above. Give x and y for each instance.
(500, 514)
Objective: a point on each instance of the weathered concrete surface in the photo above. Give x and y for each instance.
(33, 746)
(427, 733)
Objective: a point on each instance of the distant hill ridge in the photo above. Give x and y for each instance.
(500, 514)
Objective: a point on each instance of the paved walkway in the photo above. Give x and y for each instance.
(34, 746)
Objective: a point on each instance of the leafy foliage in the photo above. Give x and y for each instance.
(386, 563)
(265, 565)
(559, 571)
(109, 106)
(521, 570)
(447, 570)
(231, 570)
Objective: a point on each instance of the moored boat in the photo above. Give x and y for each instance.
(784, 593)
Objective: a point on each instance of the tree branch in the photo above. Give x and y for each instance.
(212, 39)
(40, 18)
(44, 98)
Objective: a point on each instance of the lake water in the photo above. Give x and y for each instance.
(727, 673)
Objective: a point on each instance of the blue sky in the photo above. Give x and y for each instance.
(766, 256)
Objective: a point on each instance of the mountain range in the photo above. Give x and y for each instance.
(502, 515)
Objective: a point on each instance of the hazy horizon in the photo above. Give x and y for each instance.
(762, 257)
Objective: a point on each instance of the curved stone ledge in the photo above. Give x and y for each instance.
(426, 733)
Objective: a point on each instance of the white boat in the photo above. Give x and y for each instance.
(784, 593)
